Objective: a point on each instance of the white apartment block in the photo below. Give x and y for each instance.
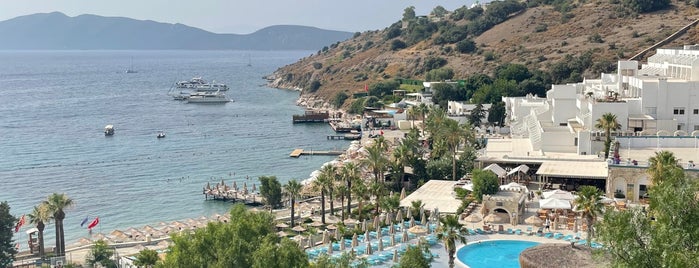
(660, 99)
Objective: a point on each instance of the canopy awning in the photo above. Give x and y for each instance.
(574, 169)
(520, 168)
(498, 170)
(553, 203)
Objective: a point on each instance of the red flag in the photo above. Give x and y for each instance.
(366, 87)
(19, 224)
(94, 223)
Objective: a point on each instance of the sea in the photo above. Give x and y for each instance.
(54, 106)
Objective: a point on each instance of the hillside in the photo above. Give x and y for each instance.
(58, 31)
(537, 37)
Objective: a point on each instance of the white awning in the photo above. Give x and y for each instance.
(522, 168)
(553, 203)
(574, 169)
(499, 171)
(32, 230)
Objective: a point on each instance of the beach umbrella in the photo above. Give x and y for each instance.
(494, 218)
(342, 245)
(410, 213)
(337, 235)
(354, 240)
(326, 239)
(330, 248)
(395, 255)
(412, 222)
(350, 221)
(391, 229)
(417, 229)
(377, 223)
(402, 225)
(282, 225)
(534, 220)
(331, 227)
(368, 248)
(389, 218)
(316, 224)
(365, 226)
(422, 211)
(367, 237)
(380, 244)
(282, 234)
(423, 219)
(393, 240)
(399, 215)
(402, 194)
(298, 228)
(310, 241)
(473, 218)
(558, 194)
(405, 235)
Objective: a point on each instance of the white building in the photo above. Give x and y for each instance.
(660, 99)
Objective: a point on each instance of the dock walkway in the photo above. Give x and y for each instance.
(300, 152)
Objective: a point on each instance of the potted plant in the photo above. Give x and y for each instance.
(619, 195)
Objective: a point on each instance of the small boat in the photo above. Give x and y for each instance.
(161, 135)
(208, 97)
(109, 130)
(200, 84)
(131, 70)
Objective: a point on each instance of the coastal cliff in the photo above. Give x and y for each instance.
(536, 36)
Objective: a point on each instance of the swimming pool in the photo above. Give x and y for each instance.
(493, 253)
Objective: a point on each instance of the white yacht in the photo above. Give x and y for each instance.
(207, 97)
(199, 84)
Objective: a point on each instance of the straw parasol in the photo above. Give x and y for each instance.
(560, 255)
(298, 228)
(365, 226)
(368, 248)
(310, 241)
(402, 194)
(354, 240)
(367, 236)
(534, 220)
(493, 218)
(380, 244)
(423, 219)
(417, 229)
(473, 218)
(282, 225)
(337, 236)
(282, 234)
(326, 237)
(389, 218)
(330, 248)
(377, 223)
(350, 221)
(316, 224)
(342, 245)
(393, 240)
(399, 215)
(410, 213)
(405, 235)
(391, 229)
(331, 227)
(395, 255)
(412, 222)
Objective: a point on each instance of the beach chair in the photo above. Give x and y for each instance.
(558, 236)
(518, 232)
(529, 230)
(540, 232)
(568, 238)
(480, 231)
(509, 231)
(548, 235)
(501, 230)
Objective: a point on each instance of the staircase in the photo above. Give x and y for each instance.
(669, 39)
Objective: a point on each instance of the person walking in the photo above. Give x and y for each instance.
(547, 225)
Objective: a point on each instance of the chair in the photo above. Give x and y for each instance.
(501, 230)
(558, 236)
(509, 231)
(548, 235)
(529, 230)
(518, 232)
(540, 232)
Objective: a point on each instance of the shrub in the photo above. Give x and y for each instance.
(317, 65)
(398, 44)
(340, 99)
(314, 86)
(541, 28)
(466, 46)
(595, 38)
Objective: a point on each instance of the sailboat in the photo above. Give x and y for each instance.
(249, 61)
(131, 70)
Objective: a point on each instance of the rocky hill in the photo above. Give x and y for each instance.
(535, 36)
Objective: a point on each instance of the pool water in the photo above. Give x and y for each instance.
(494, 253)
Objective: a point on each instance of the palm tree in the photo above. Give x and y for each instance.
(377, 189)
(450, 232)
(402, 155)
(319, 184)
(661, 166)
(293, 190)
(146, 258)
(330, 173)
(415, 207)
(56, 204)
(608, 122)
(359, 189)
(423, 110)
(40, 216)
(375, 161)
(341, 190)
(350, 173)
(588, 203)
(454, 135)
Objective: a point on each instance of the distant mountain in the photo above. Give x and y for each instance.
(58, 31)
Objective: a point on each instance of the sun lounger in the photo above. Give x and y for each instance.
(540, 232)
(518, 232)
(558, 236)
(501, 230)
(529, 230)
(568, 237)
(480, 231)
(548, 235)
(509, 231)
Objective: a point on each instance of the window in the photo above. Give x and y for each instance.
(696, 127)
(696, 111)
(651, 111)
(680, 126)
(677, 111)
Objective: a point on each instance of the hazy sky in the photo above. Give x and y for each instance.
(239, 16)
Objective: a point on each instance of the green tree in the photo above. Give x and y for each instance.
(484, 182)
(7, 224)
(439, 11)
(324, 183)
(275, 253)
(664, 235)
(440, 74)
(414, 258)
(409, 14)
(415, 208)
(453, 135)
(496, 114)
(375, 161)
(512, 71)
(398, 44)
(271, 191)
(146, 258)
(607, 122)
(293, 191)
(466, 46)
(361, 192)
(449, 232)
(663, 165)
(589, 205)
(314, 86)
(101, 254)
(476, 116)
(340, 99)
(39, 217)
(231, 244)
(56, 204)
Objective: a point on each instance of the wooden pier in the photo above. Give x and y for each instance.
(300, 152)
(345, 137)
(221, 191)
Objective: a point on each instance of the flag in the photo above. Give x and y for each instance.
(94, 223)
(366, 87)
(19, 224)
(83, 222)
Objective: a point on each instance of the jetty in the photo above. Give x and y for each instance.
(221, 191)
(311, 116)
(353, 136)
(300, 152)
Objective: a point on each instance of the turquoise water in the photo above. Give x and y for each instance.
(493, 254)
(55, 104)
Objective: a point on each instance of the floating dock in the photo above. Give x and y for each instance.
(300, 152)
(345, 137)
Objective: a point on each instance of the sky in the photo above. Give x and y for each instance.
(240, 16)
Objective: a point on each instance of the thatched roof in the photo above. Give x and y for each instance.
(560, 255)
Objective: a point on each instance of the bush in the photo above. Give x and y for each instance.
(317, 65)
(340, 99)
(314, 86)
(541, 28)
(595, 38)
(398, 45)
(466, 46)
(357, 106)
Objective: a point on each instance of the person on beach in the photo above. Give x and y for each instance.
(547, 225)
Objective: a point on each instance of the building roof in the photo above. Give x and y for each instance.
(435, 194)
(574, 169)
